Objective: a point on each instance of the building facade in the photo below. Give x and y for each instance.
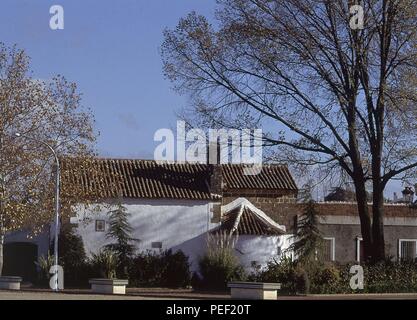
(179, 205)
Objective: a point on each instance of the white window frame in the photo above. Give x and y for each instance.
(358, 248)
(332, 247)
(399, 246)
(333, 244)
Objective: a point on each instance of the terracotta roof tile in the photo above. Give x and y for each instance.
(248, 224)
(271, 177)
(151, 179)
(142, 179)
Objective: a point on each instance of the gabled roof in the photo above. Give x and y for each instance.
(243, 218)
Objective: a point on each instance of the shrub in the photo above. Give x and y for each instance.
(163, 269)
(302, 280)
(282, 271)
(146, 270)
(177, 271)
(72, 257)
(326, 278)
(391, 277)
(219, 265)
(104, 264)
(44, 264)
(331, 278)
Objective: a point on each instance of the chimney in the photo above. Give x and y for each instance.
(216, 188)
(216, 179)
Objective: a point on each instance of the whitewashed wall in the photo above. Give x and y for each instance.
(260, 249)
(177, 224)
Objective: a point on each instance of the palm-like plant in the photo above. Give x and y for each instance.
(106, 263)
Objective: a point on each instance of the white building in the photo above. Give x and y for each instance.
(176, 206)
(172, 206)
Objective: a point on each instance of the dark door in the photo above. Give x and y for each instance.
(19, 260)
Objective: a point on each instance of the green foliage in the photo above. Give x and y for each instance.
(72, 256)
(330, 278)
(219, 265)
(70, 247)
(120, 231)
(326, 278)
(44, 264)
(177, 271)
(104, 264)
(163, 269)
(302, 280)
(292, 277)
(308, 238)
(391, 277)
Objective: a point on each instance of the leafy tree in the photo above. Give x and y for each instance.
(329, 95)
(308, 238)
(121, 230)
(48, 111)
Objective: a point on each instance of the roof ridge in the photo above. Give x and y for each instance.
(243, 203)
(104, 158)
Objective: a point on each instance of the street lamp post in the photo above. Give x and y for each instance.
(57, 188)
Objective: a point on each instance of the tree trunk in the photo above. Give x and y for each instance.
(378, 186)
(378, 210)
(365, 220)
(2, 226)
(1, 252)
(359, 182)
(378, 228)
(2, 234)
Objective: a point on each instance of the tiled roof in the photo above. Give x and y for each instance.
(271, 177)
(150, 179)
(144, 179)
(248, 224)
(244, 219)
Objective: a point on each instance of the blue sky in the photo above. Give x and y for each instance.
(110, 49)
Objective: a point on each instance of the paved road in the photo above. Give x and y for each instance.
(22, 295)
(45, 295)
(370, 296)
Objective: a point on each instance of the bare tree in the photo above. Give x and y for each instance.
(331, 95)
(48, 111)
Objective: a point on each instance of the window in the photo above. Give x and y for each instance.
(100, 225)
(157, 245)
(407, 249)
(327, 251)
(359, 250)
